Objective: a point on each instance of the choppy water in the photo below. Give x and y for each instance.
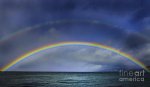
(40, 79)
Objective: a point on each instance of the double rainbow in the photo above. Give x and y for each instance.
(11, 64)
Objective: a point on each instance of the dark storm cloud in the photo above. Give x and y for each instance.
(143, 54)
(135, 41)
(19, 14)
(146, 59)
(114, 5)
(138, 46)
(140, 14)
(56, 5)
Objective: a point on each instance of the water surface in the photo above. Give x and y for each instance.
(46, 79)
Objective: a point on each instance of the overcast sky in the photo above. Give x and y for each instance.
(29, 24)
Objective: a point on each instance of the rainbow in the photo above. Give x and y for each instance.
(49, 23)
(63, 21)
(11, 64)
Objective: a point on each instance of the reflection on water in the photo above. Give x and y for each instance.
(35, 79)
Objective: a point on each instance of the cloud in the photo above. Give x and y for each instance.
(74, 58)
(143, 54)
(18, 14)
(114, 26)
(141, 14)
(135, 41)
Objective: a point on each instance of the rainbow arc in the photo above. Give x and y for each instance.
(11, 64)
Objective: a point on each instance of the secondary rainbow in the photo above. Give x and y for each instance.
(5, 68)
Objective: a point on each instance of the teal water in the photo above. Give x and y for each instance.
(45, 79)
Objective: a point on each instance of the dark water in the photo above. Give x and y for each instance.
(40, 79)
